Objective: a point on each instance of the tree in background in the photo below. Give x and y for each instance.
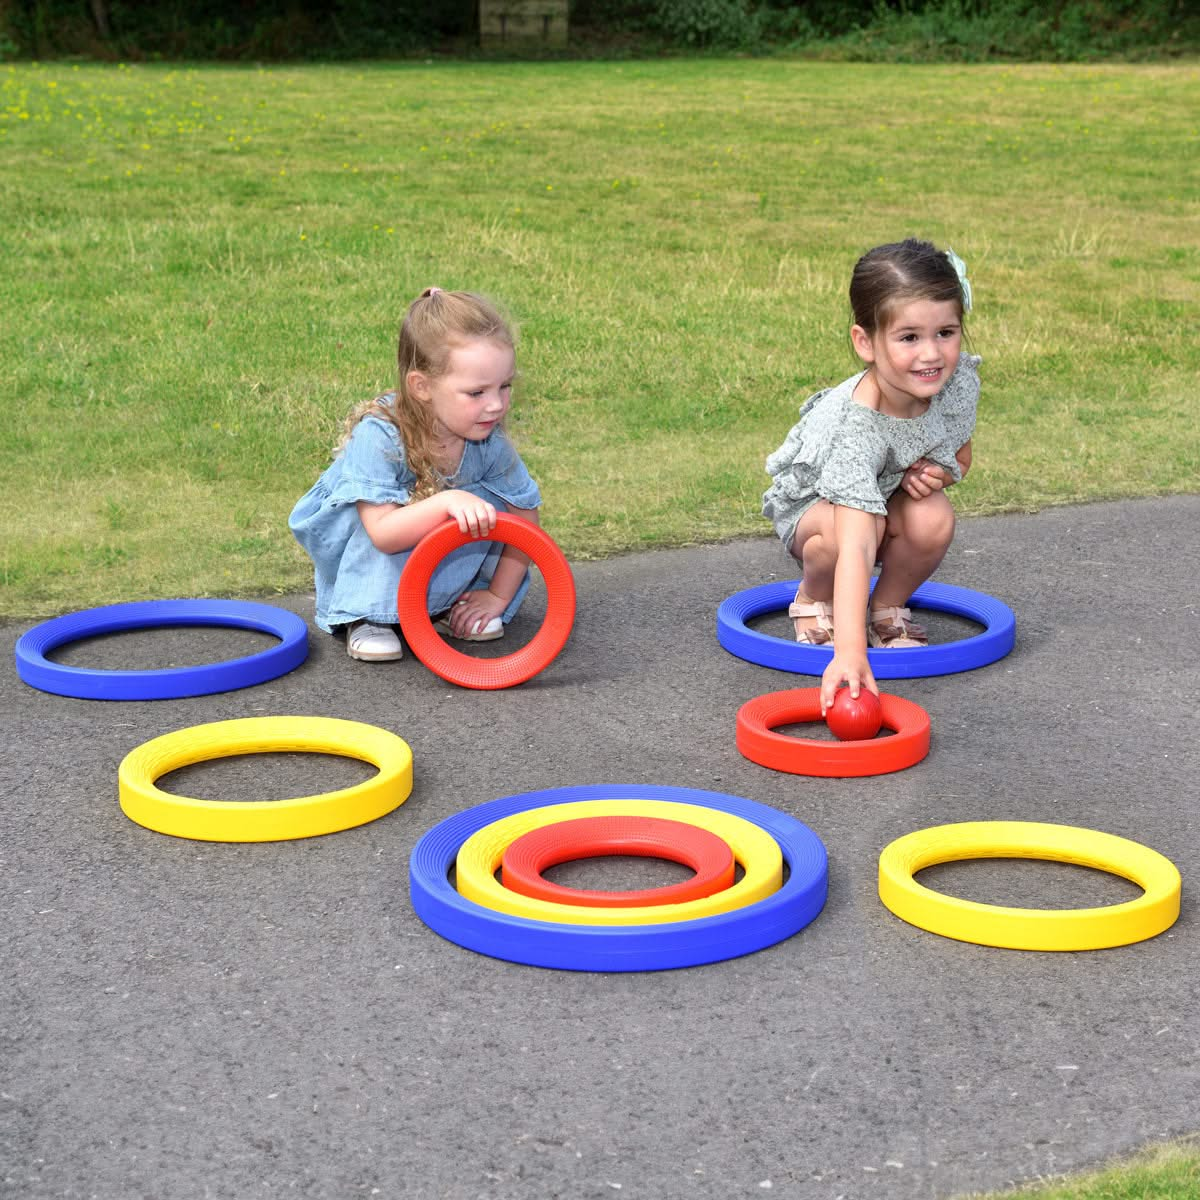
(903, 30)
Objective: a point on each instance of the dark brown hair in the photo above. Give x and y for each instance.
(890, 276)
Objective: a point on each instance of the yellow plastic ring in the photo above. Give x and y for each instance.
(754, 848)
(1029, 928)
(265, 820)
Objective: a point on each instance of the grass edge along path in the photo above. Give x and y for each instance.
(1161, 1171)
(213, 261)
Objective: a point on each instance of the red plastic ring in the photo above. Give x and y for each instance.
(758, 741)
(509, 669)
(593, 837)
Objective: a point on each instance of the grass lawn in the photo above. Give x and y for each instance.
(1165, 1172)
(206, 267)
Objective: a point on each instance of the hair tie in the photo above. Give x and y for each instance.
(430, 292)
(960, 269)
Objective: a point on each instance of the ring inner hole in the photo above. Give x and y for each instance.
(162, 647)
(1028, 883)
(621, 873)
(277, 775)
(818, 731)
(519, 632)
(941, 626)
(618, 873)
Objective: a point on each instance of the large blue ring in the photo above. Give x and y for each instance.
(88, 684)
(621, 947)
(913, 662)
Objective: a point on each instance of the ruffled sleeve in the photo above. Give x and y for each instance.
(779, 462)
(849, 474)
(373, 467)
(833, 452)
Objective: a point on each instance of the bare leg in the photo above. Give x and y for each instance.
(919, 533)
(814, 546)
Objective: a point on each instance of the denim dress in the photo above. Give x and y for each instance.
(353, 578)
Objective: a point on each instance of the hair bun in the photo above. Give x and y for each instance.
(430, 292)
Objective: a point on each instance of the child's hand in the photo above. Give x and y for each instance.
(473, 610)
(474, 516)
(924, 478)
(852, 669)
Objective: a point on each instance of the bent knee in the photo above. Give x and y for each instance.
(935, 522)
(926, 523)
(814, 535)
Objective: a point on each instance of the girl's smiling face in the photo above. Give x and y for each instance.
(471, 398)
(915, 354)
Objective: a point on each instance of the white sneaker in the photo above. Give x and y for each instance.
(369, 642)
(489, 633)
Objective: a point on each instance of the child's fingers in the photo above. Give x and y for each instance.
(829, 686)
(856, 681)
(477, 520)
(463, 617)
(471, 613)
(855, 678)
(480, 519)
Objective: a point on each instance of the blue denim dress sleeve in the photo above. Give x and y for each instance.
(353, 578)
(495, 463)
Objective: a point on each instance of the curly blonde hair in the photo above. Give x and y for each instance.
(436, 323)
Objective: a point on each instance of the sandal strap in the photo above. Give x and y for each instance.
(895, 622)
(810, 608)
(820, 634)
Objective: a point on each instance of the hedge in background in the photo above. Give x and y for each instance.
(912, 31)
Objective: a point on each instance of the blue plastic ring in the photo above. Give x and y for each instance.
(619, 947)
(88, 684)
(946, 658)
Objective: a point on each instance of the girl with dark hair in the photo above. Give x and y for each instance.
(861, 478)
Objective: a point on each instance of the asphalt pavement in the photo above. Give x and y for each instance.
(193, 1019)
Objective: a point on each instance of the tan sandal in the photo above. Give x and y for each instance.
(893, 628)
(820, 634)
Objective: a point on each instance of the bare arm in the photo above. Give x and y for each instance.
(964, 457)
(475, 609)
(925, 477)
(857, 542)
(394, 528)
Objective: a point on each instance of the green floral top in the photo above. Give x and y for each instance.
(848, 454)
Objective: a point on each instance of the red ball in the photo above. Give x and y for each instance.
(854, 719)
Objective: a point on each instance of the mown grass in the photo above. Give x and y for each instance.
(1169, 1171)
(206, 267)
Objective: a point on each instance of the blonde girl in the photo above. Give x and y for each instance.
(433, 449)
